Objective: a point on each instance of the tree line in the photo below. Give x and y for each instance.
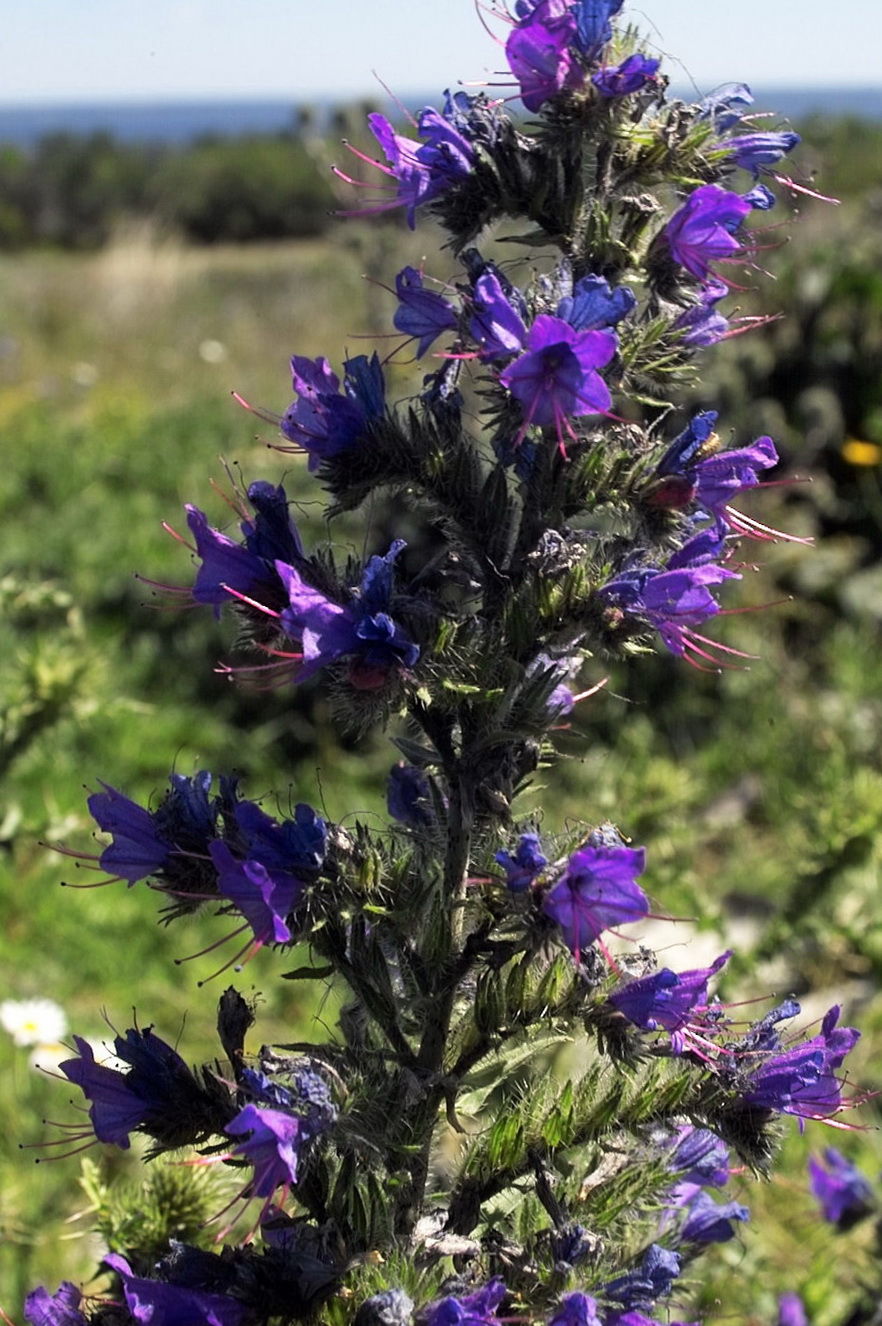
(73, 191)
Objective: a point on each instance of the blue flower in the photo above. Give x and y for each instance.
(576, 1309)
(843, 1191)
(477, 1309)
(569, 1245)
(166, 842)
(694, 469)
(272, 1143)
(703, 324)
(230, 569)
(754, 152)
(556, 377)
(705, 229)
(708, 1221)
(158, 1303)
(496, 324)
(264, 897)
(631, 75)
(652, 1279)
(677, 599)
(802, 1080)
(527, 862)
(422, 314)
(264, 877)
(296, 845)
(421, 171)
(700, 1157)
(321, 421)
(597, 891)
(362, 630)
(541, 56)
(594, 305)
(155, 1091)
(409, 797)
(725, 106)
(674, 1001)
(593, 26)
(59, 1309)
(791, 1311)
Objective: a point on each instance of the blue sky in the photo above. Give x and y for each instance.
(93, 50)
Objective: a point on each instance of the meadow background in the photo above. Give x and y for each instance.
(131, 306)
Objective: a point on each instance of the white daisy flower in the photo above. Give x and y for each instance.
(33, 1021)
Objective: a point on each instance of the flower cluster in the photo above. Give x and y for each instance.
(196, 848)
(553, 517)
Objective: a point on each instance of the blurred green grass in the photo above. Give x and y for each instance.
(758, 793)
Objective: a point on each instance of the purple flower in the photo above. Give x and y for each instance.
(725, 106)
(137, 850)
(790, 1310)
(170, 842)
(296, 844)
(710, 477)
(323, 422)
(708, 1221)
(678, 599)
(409, 797)
(703, 324)
(264, 877)
(721, 477)
(653, 1278)
(157, 1089)
(631, 75)
(675, 1001)
(802, 1080)
(306, 1095)
(569, 1244)
(271, 1146)
(760, 198)
(557, 375)
(362, 630)
(755, 151)
(596, 892)
(422, 314)
(157, 1303)
(527, 862)
(495, 325)
(422, 171)
(265, 898)
(689, 447)
(700, 1157)
(593, 26)
(59, 1309)
(478, 1309)
(843, 1191)
(248, 568)
(477, 119)
(593, 304)
(704, 229)
(638, 1319)
(763, 1036)
(576, 1309)
(540, 56)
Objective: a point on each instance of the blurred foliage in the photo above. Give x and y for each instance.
(73, 192)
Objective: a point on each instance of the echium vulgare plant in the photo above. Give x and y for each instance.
(434, 1159)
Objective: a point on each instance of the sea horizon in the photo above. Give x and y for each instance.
(180, 121)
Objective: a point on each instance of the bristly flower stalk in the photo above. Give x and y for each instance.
(568, 525)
